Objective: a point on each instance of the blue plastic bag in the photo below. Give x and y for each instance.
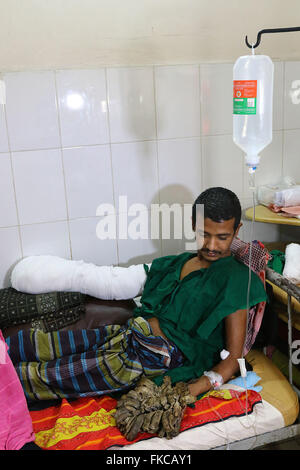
(251, 380)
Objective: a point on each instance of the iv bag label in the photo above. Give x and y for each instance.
(244, 96)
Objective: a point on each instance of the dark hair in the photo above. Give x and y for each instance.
(219, 204)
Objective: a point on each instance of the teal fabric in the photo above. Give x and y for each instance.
(191, 310)
(277, 261)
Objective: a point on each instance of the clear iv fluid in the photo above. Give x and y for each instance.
(252, 105)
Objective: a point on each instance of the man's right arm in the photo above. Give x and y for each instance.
(235, 331)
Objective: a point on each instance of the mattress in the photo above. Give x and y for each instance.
(279, 408)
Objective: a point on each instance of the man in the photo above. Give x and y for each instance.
(193, 306)
(199, 301)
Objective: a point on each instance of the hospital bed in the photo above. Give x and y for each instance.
(272, 419)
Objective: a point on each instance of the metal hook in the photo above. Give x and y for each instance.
(263, 31)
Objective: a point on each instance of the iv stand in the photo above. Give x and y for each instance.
(270, 273)
(263, 31)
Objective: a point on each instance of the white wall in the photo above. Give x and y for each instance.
(43, 34)
(156, 133)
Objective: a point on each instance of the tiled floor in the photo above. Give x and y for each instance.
(288, 444)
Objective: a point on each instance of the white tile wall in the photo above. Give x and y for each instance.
(31, 108)
(177, 101)
(8, 209)
(263, 232)
(222, 163)
(180, 170)
(278, 96)
(87, 246)
(133, 245)
(138, 251)
(131, 104)
(46, 239)
(291, 154)
(39, 186)
(3, 131)
(82, 101)
(216, 99)
(184, 237)
(135, 173)
(158, 134)
(11, 253)
(88, 179)
(292, 95)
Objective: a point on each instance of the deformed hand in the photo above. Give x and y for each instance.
(153, 409)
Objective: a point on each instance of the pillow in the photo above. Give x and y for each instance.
(292, 263)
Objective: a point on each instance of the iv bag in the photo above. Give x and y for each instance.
(252, 105)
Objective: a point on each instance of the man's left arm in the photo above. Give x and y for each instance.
(235, 331)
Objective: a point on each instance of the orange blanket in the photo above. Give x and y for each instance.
(88, 423)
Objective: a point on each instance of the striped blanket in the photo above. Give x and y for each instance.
(89, 424)
(81, 363)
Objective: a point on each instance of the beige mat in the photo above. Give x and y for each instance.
(276, 388)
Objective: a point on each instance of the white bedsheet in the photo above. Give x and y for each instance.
(264, 418)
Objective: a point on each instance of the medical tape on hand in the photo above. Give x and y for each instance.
(215, 379)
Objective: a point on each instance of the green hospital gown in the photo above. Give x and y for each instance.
(191, 310)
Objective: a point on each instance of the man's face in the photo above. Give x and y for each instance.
(214, 238)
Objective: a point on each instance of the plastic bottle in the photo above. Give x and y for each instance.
(252, 105)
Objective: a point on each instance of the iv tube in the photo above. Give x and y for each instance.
(252, 187)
